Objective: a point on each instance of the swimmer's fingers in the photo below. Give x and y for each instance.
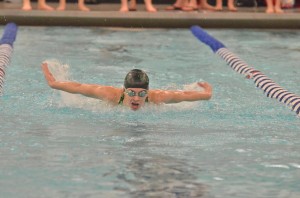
(201, 84)
(49, 77)
(204, 85)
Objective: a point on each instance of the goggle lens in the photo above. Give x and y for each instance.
(132, 93)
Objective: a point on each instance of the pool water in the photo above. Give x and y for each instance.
(238, 144)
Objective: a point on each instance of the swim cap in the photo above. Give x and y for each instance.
(136, 78)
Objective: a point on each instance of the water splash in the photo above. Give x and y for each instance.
(61, 72)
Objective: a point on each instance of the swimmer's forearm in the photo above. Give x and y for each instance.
(206, 94)
(74, 88)
(71, 87)
(196, 95)
(159, 96)
(190, 96)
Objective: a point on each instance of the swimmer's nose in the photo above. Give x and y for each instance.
(136, 98)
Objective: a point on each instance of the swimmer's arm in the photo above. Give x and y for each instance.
(91, 90)
(180, 96)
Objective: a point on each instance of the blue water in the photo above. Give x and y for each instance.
(238, 144)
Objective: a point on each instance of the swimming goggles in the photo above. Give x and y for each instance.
(132, 93)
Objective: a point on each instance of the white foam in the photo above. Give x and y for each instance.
(295, 165)
(193, 87)
(61, 72)
(277, 166)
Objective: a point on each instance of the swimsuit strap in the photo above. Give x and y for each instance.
(121, 99)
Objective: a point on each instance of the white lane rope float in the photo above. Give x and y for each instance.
(6, 49)
(270, 88)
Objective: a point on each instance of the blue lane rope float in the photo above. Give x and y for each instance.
(6, 48)
(270, 88)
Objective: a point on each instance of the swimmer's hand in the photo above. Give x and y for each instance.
(48, 75)
(206, 86)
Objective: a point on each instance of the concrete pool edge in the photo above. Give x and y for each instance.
(162, 19)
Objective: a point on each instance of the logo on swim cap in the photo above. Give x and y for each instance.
(136, 78)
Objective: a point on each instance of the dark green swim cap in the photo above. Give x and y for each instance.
(136, 78)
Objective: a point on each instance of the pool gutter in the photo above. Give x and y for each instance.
(143, 19)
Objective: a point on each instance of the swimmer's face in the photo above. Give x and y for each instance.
(135, 98)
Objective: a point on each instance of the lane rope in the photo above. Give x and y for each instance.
(6, 49)
(270, 88)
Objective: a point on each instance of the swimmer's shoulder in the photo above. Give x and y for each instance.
(156, 96)
(111, 94)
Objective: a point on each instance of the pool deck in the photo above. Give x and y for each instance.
(108, 15)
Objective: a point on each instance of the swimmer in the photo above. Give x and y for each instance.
(134, 94)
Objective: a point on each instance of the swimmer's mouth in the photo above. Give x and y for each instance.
(135, 105)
